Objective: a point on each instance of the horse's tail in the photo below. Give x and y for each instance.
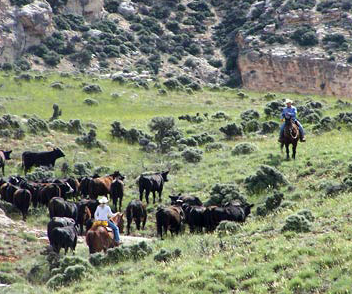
(90, 240)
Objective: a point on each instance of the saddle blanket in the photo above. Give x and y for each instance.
(104, 224)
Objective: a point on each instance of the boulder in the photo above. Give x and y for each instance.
(91, 9)
(126, 9)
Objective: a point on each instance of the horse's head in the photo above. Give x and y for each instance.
(118, 220)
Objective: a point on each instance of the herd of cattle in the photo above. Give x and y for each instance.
(72, 202)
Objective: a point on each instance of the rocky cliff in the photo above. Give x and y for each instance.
(300, 46)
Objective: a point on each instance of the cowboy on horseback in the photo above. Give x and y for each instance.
(102, 213)
(290, 111)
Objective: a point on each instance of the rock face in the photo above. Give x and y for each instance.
(303, 74)
(90, 9)
(23, 27)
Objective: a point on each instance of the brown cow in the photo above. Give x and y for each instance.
(169, 218)
(98, 238)
(101, 186)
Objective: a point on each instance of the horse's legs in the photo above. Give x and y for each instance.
(141, 194)
(294, 150)
(3, 170)
(129, 226)
(120, 203)
(160, 191)
(287, 151)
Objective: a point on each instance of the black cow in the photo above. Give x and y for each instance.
(59, 207)
(57, 222)
(65, 237)
(83, 186)
(48, 191)
(22, 200)
(82, 216)
(116, 191)
(4, 155)
(45, 158)
(194, 217)
(152, 183)
(65, 188)
(191, 200)
(136, 211)
(214, 215)
(169, 218)
(7, 190)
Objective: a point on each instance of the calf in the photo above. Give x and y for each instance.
(22, 199)
(116, 191)
(4, 155)
(59, 207)
(136, 211)
(57, 222)
(46, 158)
(65, 237)
(191, 200)
(169, 218)
(152, 183)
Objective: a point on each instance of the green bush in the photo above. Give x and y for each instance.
(112, 5)
(214, 146)
(192, 155)
(244, 148)
(250, 126)
(82, 169)
(37, 125)
(228, 228)
(215, 62)
(51, 58)
(172, 84)
(269, 127)
(271, 203)
(297, 223)
(250, 114)
(91, 102)
(90, 141)
(305, 36)
(220, 115)
(232, 130)
(220, 194)
(40, 173)
(165, 255)
(336, 39)
(92, 89)
(265, 177)
(20, 3)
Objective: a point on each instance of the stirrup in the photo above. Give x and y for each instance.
(302, 139)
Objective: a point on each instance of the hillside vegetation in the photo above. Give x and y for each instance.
(220, 143)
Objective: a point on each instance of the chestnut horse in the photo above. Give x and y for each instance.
(101, 186)
(98, 238)
(291, 136)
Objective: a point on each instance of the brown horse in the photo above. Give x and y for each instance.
(98, 238)
(4, 155)
(101, 186)
(291, 136)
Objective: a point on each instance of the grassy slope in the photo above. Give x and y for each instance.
(259, 259)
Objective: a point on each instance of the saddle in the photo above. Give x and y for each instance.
(103, 224)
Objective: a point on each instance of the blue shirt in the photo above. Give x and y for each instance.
(289, 111)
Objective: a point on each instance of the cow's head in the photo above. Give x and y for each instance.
(247, 209)
(118, 175)
(7, 154)
(59, 153)
(164, 175)
(174, 198)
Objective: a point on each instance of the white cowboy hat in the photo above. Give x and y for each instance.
(288, 101)
(103, 200)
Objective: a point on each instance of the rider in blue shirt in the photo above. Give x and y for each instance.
(290, 110)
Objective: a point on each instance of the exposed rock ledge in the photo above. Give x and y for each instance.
(303, 74)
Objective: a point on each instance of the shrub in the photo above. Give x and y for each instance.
(164, 255)
(232, 130)
(90, 141)
(326, 124)
(98, 259)
(264, 178)
(74, 272)
(57, 85)
(203, 138)
(244, 148)
(112, 5)
(7, 66)
(173, 26)
(191, 118)
(250, 114)
(20, 2)
(305, 36)
(271, 203)
(172, 84)
(274, 108)
(192, 155)
(91, 102)
(191, 63)
(51, 58)
(221, 194)
(131, 136)
(22, 64)
(336, 39)
(269, 127)
(37, 125)
(215, 62)
(92, 89)
(228, 228)
(188, 141)
(250, 126)
(40, 173)
(214, 146)
(297, 223)
(82, 168)
(220, 115)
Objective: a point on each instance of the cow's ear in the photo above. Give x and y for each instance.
(10, 151)
(251, 205)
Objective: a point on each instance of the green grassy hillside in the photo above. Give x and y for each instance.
(256, 257)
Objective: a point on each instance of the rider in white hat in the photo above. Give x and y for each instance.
(102, 213)
(290, 111)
